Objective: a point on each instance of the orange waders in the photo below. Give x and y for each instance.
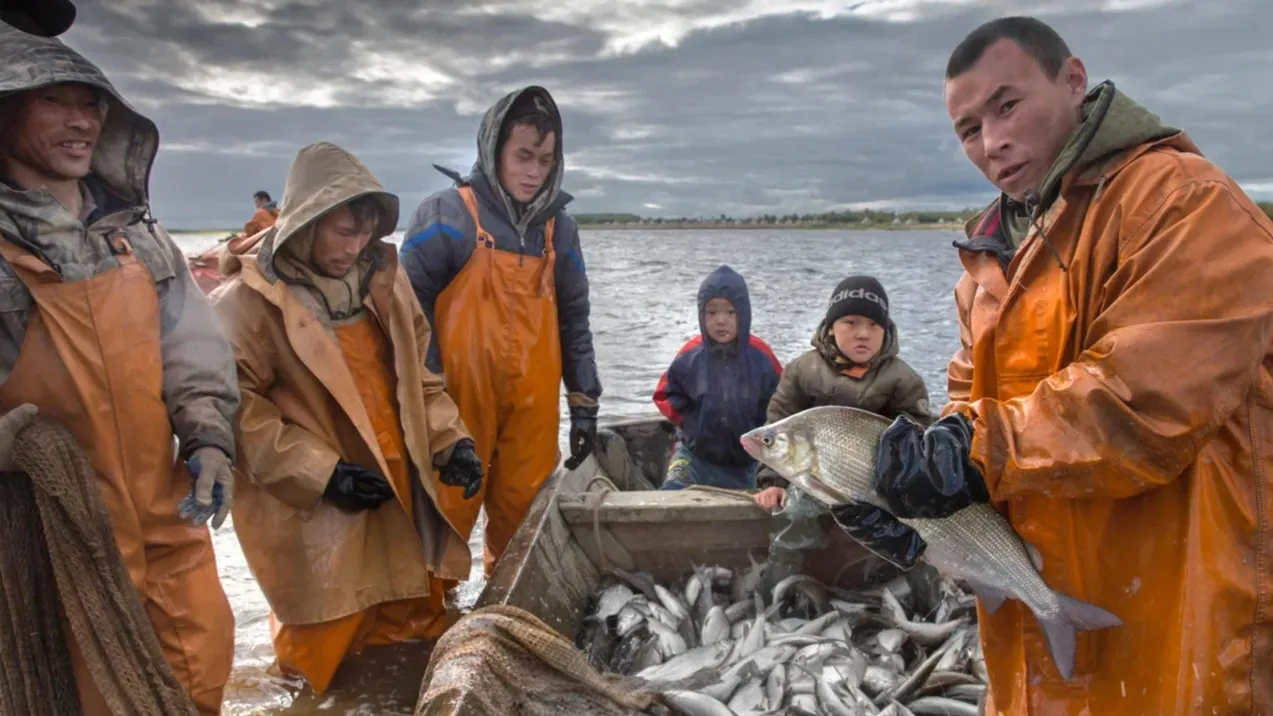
(91, 359)
(499, 340)
(317, 650)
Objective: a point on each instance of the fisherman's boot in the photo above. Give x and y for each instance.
(799, 531)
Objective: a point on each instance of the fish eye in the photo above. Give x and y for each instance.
(767, 440)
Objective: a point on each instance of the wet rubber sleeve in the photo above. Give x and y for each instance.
(291, 463)
(440, 238)
(578, 358)
(1187, 321)
(200, 385)
(959, 369)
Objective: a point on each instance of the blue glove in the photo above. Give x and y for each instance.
(927, 473)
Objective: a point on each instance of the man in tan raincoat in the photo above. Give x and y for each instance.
(341, 426)
(103, 329)
(1113, 393)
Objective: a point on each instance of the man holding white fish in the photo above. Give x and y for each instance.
(1111, 395)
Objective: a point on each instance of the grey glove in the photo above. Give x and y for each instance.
(213, 488)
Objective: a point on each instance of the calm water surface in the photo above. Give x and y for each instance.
(644, 285)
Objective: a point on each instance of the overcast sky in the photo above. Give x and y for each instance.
(671, 107)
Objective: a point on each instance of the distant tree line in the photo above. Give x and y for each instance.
(831, 218)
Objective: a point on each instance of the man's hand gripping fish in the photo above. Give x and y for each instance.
(830, 453)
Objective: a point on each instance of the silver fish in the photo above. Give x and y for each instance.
(829, 451)
(695, 704)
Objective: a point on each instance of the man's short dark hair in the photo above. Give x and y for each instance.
(367, 210)
(531, 111)
(1036, 37)
(262, 195)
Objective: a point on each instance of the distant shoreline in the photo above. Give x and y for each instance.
(702, 226)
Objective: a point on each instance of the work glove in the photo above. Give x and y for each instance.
(11, 423)
(926, 473)
(880, 532)
(212, 490)
(583, 435)
(353, 488)
(464, 469)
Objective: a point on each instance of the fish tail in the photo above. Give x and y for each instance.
(1060, 630)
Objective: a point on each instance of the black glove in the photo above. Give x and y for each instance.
(583, 435)
(927, 473)
(352, 487)
(464, 469)
(880, 532)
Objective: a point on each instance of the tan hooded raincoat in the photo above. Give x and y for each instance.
(303, 411)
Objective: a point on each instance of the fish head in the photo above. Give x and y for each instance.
(782, 446)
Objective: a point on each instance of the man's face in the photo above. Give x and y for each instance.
(1012, 119)
(526, 161)
(55, 130)
(338, 240)
(259, 202)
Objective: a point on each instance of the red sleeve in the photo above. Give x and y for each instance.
(759, 344)
(662, 396)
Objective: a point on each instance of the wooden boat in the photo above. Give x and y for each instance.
(580, 526)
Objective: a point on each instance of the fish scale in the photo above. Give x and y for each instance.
(830, 452)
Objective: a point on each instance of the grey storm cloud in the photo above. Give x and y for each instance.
(671, 107)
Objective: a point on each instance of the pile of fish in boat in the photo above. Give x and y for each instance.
(716, 644)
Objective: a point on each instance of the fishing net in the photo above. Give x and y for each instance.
(506, 661)
(58, 540)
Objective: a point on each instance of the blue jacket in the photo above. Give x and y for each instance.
(715, 393)
(441, 237)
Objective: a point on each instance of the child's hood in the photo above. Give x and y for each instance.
(728, 284)
(824, 342)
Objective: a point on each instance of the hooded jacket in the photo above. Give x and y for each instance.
(441, 236)
(886, 385)
(715, 393)
(199, 384)
(302, 411)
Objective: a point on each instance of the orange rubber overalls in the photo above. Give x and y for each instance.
(91, 360)
(317, 650)
(500, 345)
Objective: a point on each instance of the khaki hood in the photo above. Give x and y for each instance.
(125, 152)
(322, 177)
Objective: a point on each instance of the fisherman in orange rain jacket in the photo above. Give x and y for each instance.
(1112, 394)
(341, 426)
(497, 266)
(103, 329)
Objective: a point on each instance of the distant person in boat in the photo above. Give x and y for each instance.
(342, 426)
(1112, 392)
(854, 362)
(497, 266)
(716, 389)
(103, 329)
(265, 215)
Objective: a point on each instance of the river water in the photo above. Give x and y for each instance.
(644, 285)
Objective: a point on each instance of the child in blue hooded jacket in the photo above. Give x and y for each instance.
(717, 389)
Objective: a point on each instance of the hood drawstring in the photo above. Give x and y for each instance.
(1033, 205)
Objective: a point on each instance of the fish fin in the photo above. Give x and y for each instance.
(1035, 557)
(991, 597)
(1060, 632)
